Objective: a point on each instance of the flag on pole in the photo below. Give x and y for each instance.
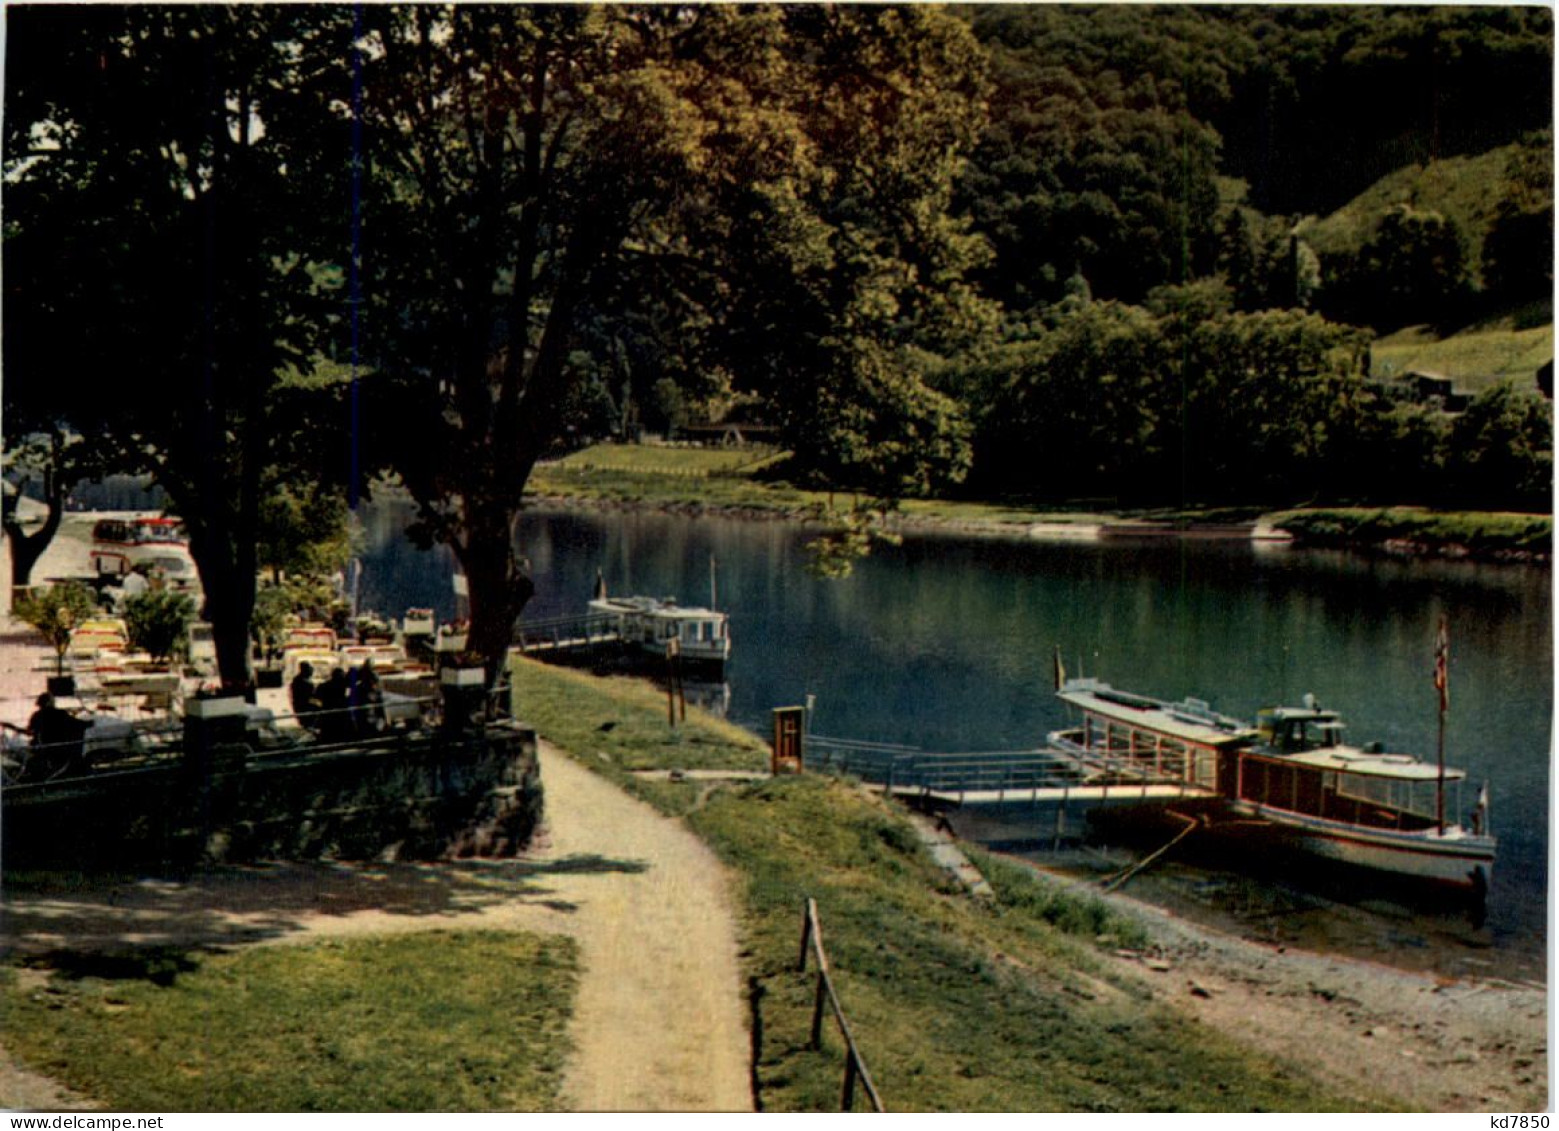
(1060, 669)
(1442, 656)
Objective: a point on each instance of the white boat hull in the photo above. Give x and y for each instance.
(1457, 857)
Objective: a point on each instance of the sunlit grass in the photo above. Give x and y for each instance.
(661, 459)
(426, 1021)
(1475, 358)
(1482, 532)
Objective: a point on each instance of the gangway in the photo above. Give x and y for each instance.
(567, 633)
(999, 776)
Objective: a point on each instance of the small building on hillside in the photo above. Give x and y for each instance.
(1435, 389)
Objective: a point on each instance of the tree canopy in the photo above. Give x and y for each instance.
(288, 248)
(759, 194)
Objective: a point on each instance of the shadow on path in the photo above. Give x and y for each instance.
(127, 927)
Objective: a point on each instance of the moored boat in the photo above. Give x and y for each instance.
(1291, 770)
(700, 636)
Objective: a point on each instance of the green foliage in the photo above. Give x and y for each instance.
(1502, 447)
(272, 606)
(199, 205)
(304, 532)
(1095, 165)
(735, 200)
(851, 536)
(1518, 258)
(1412, 269)
(1183, 401)
(1484, 533)
(158, 621)
(424, 1021)
(1076, 912)
(55, 611)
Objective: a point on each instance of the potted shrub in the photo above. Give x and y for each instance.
(55, 612)
(158, 623)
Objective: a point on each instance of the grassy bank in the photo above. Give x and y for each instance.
(693, 479)
(956, 1005)
(1485, 534)
(430, 1021)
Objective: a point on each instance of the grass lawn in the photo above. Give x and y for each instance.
(657, 459)
(1476, 358)
(956, 1005)
(426, 1021)
(1482, 532)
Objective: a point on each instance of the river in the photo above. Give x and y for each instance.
(946, 643)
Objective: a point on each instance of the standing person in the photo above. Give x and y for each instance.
(334, 726)
(301, 692)
(366, 699)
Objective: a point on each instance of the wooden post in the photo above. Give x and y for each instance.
(806, 935)
(847, 1094)
(816, 1040)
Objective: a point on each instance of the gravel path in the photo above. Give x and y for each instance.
(659, 1024)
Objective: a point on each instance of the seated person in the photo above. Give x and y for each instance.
(57, 740)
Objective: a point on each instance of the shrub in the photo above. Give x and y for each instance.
(55, 612)
(158, 622)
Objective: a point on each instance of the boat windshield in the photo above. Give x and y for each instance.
(1294, 732)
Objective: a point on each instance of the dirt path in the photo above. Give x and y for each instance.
(659, 1024)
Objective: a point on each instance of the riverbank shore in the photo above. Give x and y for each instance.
(1415, 532)
(1440, 1044)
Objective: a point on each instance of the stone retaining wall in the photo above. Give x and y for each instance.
(421, 796)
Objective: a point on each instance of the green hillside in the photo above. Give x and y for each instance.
(1466, 190)
(1477, 357)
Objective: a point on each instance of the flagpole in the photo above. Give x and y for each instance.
(1442, 682)
(1440, 792)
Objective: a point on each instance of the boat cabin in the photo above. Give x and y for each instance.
(1294, 730)
(1302, 766)
(1185, 742)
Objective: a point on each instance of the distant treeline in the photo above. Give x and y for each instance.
(1186, 399)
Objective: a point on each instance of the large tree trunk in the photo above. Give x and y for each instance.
(26, 549)
(498, 583)
(229, 606)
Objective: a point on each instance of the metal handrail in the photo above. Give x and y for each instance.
(159, 740)
(854, 1065)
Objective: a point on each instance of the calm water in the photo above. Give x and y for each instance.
(947, 643)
